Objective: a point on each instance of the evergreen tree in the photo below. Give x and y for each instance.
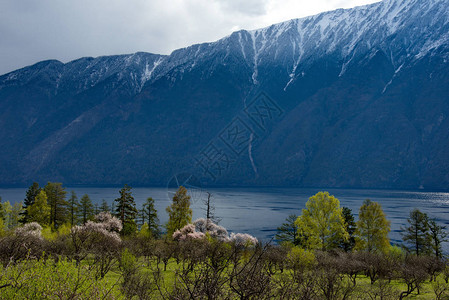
(179, 212)
(149, 216)
(288, 231)
(417, 234)
(39, 211)
(31, 195)
(321, 225)
(15, 215)
(58, 205)
(438, 236)
(126, 210)
(12, 214)
(86, 209)
(2, 215)
(140, 219)
(73, 209)
(350, 228)
(104, 206)
(2, 227)
(7, 209)
(372, 228)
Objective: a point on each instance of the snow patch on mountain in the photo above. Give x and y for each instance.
(402, 29)
(147, 73)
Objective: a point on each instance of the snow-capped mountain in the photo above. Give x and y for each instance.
(364, 96)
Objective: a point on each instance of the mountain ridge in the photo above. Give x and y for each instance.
(153, 114)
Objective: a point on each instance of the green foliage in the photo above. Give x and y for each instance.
(6, 212)
(52, 235)
(49, 234)
(288, 231)
(372, 228)
(96, 209)
(2, 225)
(301, 259)
(127, 261)
(438, 236)
(104, 206)
(179, 212)
(73, 209)
(58, 205)
(90, 267)
(15, 216)
(149, 216)
(39, 211)
(321, 225)
(86, 209)
(417, 234)
(2, 228)
(2, 215)
(11, 214)
(126, 210)
(350, 227)
(144, 231)
(423, 235)
(30, 197)
(396, 253)
(40, 279)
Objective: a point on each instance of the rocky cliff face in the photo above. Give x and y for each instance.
(347, 98)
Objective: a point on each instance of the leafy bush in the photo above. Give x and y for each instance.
(46, 280)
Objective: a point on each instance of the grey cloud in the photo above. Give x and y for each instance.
(247, 7)
(31, 31)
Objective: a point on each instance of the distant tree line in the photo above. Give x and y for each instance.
(49, 207)
(324, 253)
(324, 225)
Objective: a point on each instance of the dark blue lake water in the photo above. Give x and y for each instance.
(259, 211)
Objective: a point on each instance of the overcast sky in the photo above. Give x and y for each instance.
(35, 30)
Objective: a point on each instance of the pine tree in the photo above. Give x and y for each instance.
(288, 231)
(2, 227)
(2, 215)
(58, 205)
(149, 216)
(30, 197)
(417, 233)
(126, 210)
(438, 236)
(350, 228)
(104, 206)
(86, 209)
(39, 211)
(15, 216)
(140, 218)
(73, 209)
(179, 212)
(372, 228)
(6, 211)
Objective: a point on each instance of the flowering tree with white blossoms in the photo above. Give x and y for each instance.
(29, 229)
(201, 227)
(214, 230)
(99, 238)
(243, 239)
(187, 232)
(27, 241)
